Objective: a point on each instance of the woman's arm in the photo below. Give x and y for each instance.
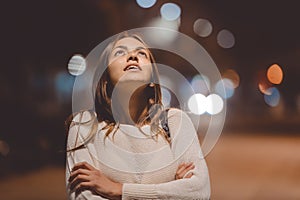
(75, 138)
(192, 187)
(195, 187)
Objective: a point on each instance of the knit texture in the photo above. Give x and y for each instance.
(144, 165)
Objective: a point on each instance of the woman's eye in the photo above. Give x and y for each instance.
(119, 53)
(142, 53)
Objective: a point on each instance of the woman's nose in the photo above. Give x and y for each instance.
(132, 56)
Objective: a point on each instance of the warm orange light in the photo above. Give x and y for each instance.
(264, 88)
(263, 83)
(275, 74)
(233, 76)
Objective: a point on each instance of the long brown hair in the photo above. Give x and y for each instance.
(151, 114)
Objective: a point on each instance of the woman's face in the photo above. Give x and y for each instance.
(129, 61)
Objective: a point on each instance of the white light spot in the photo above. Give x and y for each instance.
(214, 103)
(197, 104)
(225, 39)
(145, 3)
(77, 65)
(202, 27)
(170, 11)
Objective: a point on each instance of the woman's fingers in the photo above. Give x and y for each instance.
(84, 186)
(83, 165)
(181, 165)
(82, 175)
(187, 169)
(79, 180)
(189, 175)
(183, 169)
(77, 172)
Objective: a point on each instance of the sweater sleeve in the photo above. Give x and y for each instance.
(76, 137)
(196, 187)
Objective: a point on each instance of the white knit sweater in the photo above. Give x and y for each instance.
(145, 166)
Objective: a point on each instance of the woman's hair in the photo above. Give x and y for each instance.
(151, 114)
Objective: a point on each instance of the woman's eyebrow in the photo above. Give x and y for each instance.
(122, 47)
(139, 48)
(126, 48)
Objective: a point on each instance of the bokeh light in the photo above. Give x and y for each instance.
(202, 27)
(264, 88)
(214, 104)
(225, 39)
(145, 3)
(77, 65)
(200, 84)
(275, 74)
(273, 97)
(233, 76)
(165, 37)
(170, 11)
(197, 104)
(225, 88)
(263, 83)
(4, 148)
(166, 97)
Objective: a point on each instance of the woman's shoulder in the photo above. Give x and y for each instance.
(176, 113)
(179, 120)
(81, 125)
(83, 119)
(83, 116)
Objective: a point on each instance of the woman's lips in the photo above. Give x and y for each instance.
(132, 67)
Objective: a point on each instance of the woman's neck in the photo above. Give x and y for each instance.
(128, 102)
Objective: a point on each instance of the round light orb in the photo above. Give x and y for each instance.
(225, 39)
(170, 11)
(214, 104)
(274, 98)
(202, 27)
(225, 88)
(77, 65)
(197, 104)
(145, 3)
(275, 74)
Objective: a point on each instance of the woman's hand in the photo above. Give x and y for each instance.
(86, 177)
(183, 169)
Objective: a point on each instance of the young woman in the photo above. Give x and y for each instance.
(132, 148)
